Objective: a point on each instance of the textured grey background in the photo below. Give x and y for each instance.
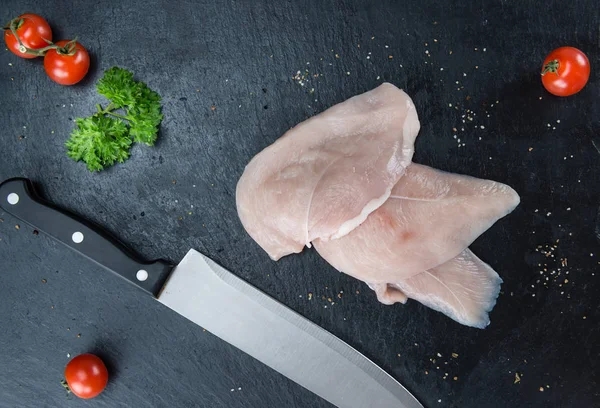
(239, 56)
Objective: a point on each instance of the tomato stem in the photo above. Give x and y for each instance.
(66, 386)
(551, 66)
(19, 24)
(68, 49)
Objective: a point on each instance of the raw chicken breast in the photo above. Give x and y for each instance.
(415, 245)
(325, 176)
(464, 288)
(430, 217)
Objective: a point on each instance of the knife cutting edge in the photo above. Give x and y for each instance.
(225, 305)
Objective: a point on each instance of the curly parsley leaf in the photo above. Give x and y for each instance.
(99, 141)
(118, 86)
(144, 116)
(106, 137)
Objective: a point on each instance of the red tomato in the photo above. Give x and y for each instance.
(566, 71)
(33, 30)
(67, 65)
(86, 375)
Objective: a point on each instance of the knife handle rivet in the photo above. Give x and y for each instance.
(77, 237)
(141, 275)
(13, 198)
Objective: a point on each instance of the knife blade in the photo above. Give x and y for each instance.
(210, 296)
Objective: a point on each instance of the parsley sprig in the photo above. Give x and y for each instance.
(106, 137)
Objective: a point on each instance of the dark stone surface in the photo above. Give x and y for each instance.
(240, 56)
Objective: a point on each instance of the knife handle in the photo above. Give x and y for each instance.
(18, 198)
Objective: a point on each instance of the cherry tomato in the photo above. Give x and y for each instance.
(566, 71)
(67, 65)
(86, 375)
(33, 30)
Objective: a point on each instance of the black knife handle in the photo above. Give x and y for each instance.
(18, 197)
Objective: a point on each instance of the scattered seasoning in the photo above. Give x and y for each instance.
(44, 281)
(541, 389)
(530, 149)
(310, 295)
(213, 108)
(36, 232)
(358, 292)
(517, 378)
(455, 378)
(78, 335)
(17, 226)
(454, 355)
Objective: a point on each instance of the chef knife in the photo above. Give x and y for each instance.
(211, 297)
